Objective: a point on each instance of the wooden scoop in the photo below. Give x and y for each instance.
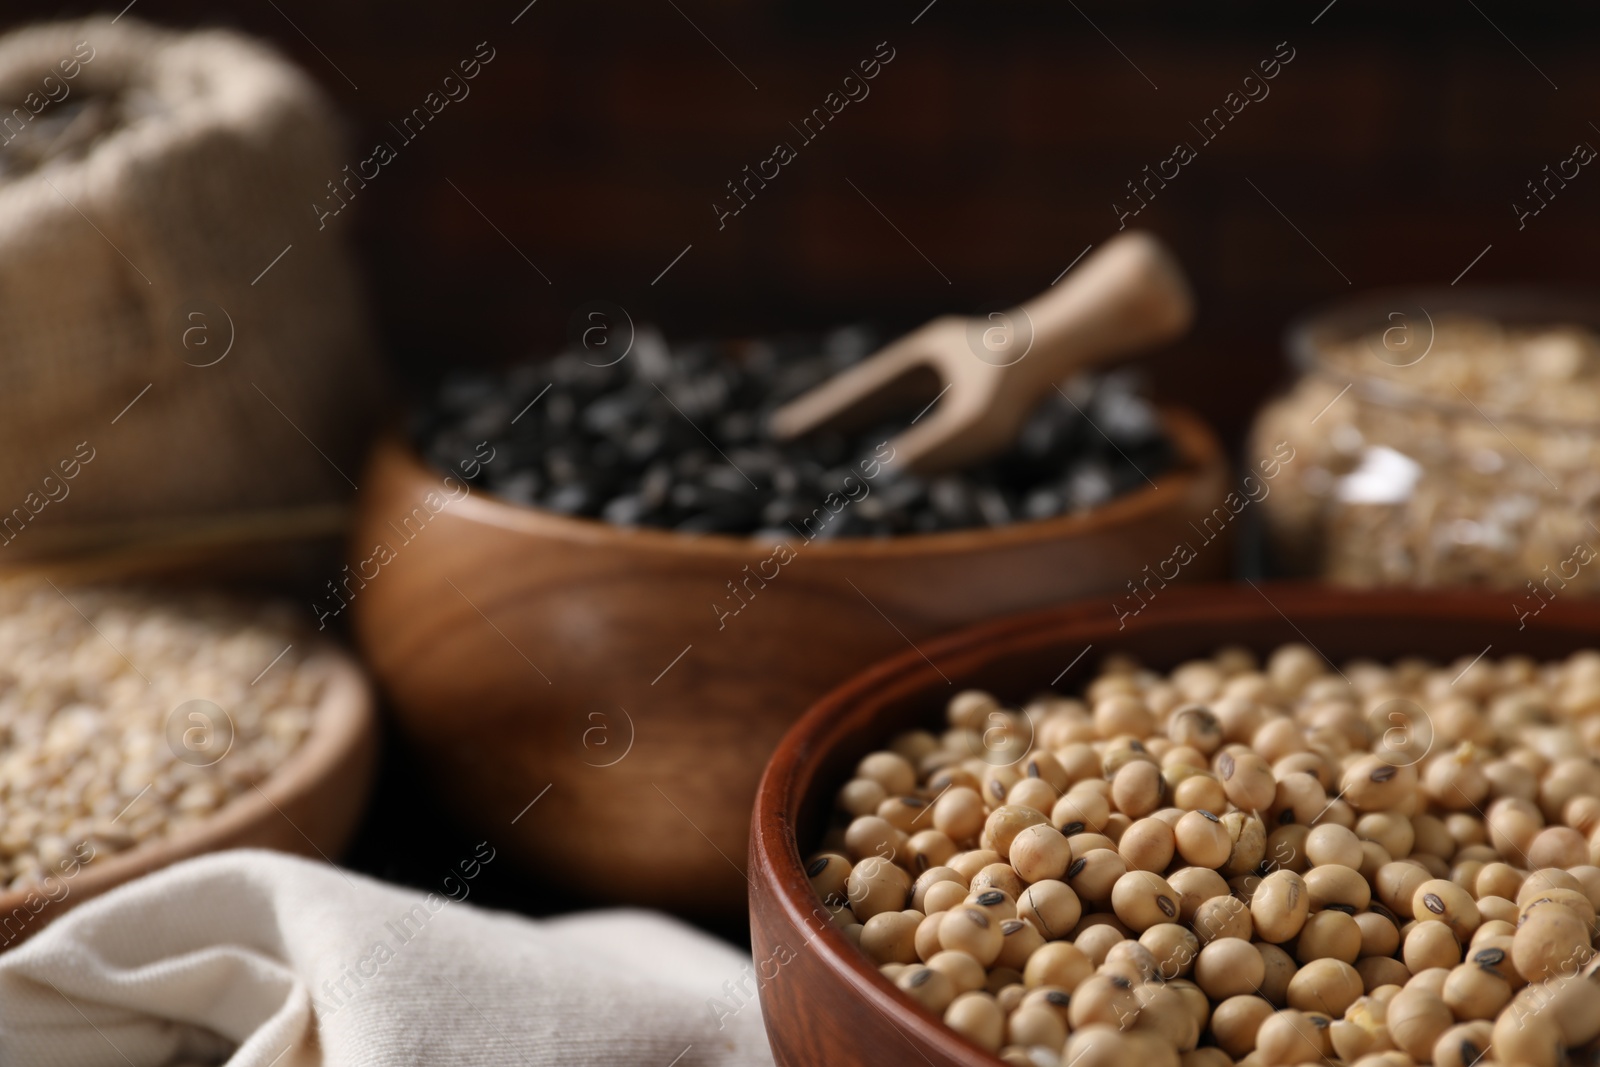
(1129, 295)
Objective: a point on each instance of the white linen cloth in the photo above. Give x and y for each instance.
(290, 963)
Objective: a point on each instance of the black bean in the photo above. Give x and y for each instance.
(675, 438)
(623, 511)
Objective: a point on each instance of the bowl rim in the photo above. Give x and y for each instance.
(342, 723)
(1199, 456)
(776, 867)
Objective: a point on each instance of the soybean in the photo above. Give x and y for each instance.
(1226, 864)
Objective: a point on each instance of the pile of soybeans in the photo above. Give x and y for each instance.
(1238, 862)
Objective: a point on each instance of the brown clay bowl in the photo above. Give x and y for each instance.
(309, 805)
(525, 650)
(823, 1000)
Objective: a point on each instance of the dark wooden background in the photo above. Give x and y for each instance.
(996, 141)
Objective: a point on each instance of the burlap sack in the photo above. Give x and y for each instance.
(150, 181)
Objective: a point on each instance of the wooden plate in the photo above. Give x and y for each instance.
(309, 805)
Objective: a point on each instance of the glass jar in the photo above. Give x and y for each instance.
(1442, 438)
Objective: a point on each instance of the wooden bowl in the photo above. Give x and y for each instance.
(524, 651)
(309, 805)
(823, 1000)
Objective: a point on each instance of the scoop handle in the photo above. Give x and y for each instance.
(1127, 295)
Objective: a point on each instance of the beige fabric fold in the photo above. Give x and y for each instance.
(288, 963)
